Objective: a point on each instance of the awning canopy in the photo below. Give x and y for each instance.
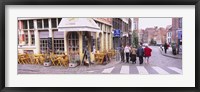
(78, 24)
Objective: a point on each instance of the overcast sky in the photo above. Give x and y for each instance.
(151, 22)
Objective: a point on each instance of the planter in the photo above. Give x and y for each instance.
(47, 63)
(74, 64)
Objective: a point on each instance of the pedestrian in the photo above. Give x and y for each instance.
(122, 53)
(165, 47)
(147, 53)
(161, 47)
(133, 55)
(127, 51)
(140, 54)
(86, 56)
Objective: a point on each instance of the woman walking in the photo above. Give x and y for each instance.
(133, 55)
(147, 53)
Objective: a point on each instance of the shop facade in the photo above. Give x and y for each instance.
(33, 34)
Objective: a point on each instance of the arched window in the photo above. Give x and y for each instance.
(73, 43)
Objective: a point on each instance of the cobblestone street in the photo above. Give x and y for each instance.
(159, 64)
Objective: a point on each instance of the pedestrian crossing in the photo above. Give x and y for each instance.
(124, 70)
(142, 70)
(128, 69)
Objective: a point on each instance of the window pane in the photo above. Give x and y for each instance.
(46, 24)
(32, 37)
(39, 23)
(24, 24)
(31, 25)
(59, 19)
(26, 37)
(53, 23)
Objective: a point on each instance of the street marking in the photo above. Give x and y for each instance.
(108, 70)
(160, 70)
(176, 69)
(124, 70)
(142, 70)
(90, 71)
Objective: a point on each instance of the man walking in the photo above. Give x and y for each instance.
(122, 53)
(140, 54)
(165, 47)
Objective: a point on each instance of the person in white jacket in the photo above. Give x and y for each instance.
(127, 52)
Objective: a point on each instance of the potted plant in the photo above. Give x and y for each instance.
(74, 60)
(47, 61)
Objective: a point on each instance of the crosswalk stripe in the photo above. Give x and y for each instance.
(160, 70)
(176, 69)
(124, 70)
(142, 70)
(109, 70)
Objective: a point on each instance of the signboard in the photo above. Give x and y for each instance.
(117, 33)
(180, 35)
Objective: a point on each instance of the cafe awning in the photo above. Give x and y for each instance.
(78, 24)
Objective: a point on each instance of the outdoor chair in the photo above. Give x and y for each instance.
(21, 59)
(36, 59)
(101, 58)
(59, 61)
(96, 56)
(65, 61)
(53, 59)
(42, 59)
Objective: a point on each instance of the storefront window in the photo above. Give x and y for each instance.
(43, 34)
(43, 45)
(24, 24)
(39, 23)
(32, 37)
(73, 43)
(59, 19)
(53, 23)
(26, 37)
(46, 23)
(31, 25)
(59, 45)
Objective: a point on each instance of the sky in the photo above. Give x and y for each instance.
(151, 22)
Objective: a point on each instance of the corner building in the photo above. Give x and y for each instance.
(33, 34)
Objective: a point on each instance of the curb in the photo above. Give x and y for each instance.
(169, 55)
(104, 66)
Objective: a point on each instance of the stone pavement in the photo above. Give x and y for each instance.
(169, 53)
(81, 69)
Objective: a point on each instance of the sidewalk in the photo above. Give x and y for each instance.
(169, 53)
(81, 69)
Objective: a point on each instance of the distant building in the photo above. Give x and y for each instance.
(169, 34)
(177, 33)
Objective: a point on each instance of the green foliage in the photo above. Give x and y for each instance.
(135, 41)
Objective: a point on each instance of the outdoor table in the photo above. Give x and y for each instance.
(109, 54)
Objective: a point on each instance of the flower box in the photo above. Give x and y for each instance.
(73, 64)
(47, 63)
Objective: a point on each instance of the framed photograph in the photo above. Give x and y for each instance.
(127, 45)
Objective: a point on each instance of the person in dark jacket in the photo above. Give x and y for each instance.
(122, 53)
(165, 47)
(140, 54)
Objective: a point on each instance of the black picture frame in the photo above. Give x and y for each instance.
(3, 3)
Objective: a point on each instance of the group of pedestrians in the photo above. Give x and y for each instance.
(132, 52)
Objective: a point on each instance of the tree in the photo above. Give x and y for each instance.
(135, 39)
